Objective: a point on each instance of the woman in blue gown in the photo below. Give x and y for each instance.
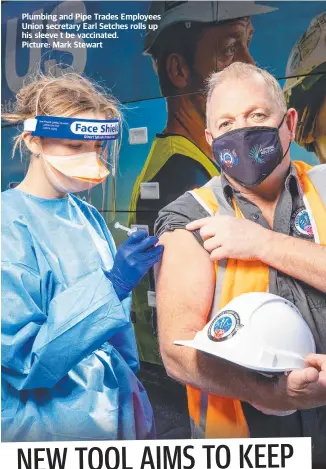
(69, 356)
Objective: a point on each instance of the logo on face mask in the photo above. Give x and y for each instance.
(302, 224)
(229, 158)
(257, 153)
(224, 326)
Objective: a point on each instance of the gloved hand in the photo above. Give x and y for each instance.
(133, 260)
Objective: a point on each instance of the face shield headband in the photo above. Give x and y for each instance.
(72, 128)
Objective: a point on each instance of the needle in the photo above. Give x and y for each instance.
(118, 226)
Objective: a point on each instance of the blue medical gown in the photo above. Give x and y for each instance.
(68, 350)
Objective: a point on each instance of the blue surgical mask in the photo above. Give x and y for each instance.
(250, 154)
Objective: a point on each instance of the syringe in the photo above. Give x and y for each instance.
(118, 226)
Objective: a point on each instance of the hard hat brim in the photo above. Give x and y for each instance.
(259, 331)
(211, 349)
(204, 12)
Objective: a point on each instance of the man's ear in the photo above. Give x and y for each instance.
(177, 70)
(292, 121)
(209, 137)
(33, 144)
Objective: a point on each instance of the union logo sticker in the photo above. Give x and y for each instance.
(224, 326)
(301, 223)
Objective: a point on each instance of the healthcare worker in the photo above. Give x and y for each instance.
(68, 350)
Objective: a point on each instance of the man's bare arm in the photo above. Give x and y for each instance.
(184, 291)
(298, 258)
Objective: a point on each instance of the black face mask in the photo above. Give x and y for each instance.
(249, 155)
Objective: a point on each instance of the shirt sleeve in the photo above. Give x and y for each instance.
(178, 214)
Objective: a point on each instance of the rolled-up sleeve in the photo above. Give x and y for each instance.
(178, 214)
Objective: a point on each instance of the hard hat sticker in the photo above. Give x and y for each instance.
(301, 223)
(224, 326)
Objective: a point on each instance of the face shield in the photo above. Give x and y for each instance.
(73, 165)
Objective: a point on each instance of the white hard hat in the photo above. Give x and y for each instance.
(198, 12)
(260, 331)
(308, 55)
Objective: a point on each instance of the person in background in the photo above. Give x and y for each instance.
(305, 89)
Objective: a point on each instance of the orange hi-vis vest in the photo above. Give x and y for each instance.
(212, 416)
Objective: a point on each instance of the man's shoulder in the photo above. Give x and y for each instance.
(180, 212)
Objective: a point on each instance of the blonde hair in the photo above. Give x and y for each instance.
(243, 70)
(66, 96)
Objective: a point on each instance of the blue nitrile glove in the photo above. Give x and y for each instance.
(133, 260)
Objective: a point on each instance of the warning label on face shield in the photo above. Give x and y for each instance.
(80, 30)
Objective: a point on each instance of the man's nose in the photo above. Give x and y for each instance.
(240, 122)
(243, 55)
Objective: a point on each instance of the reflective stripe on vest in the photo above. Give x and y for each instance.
(218, 417)
(161, 151)
(317, 175)
(316, 181)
